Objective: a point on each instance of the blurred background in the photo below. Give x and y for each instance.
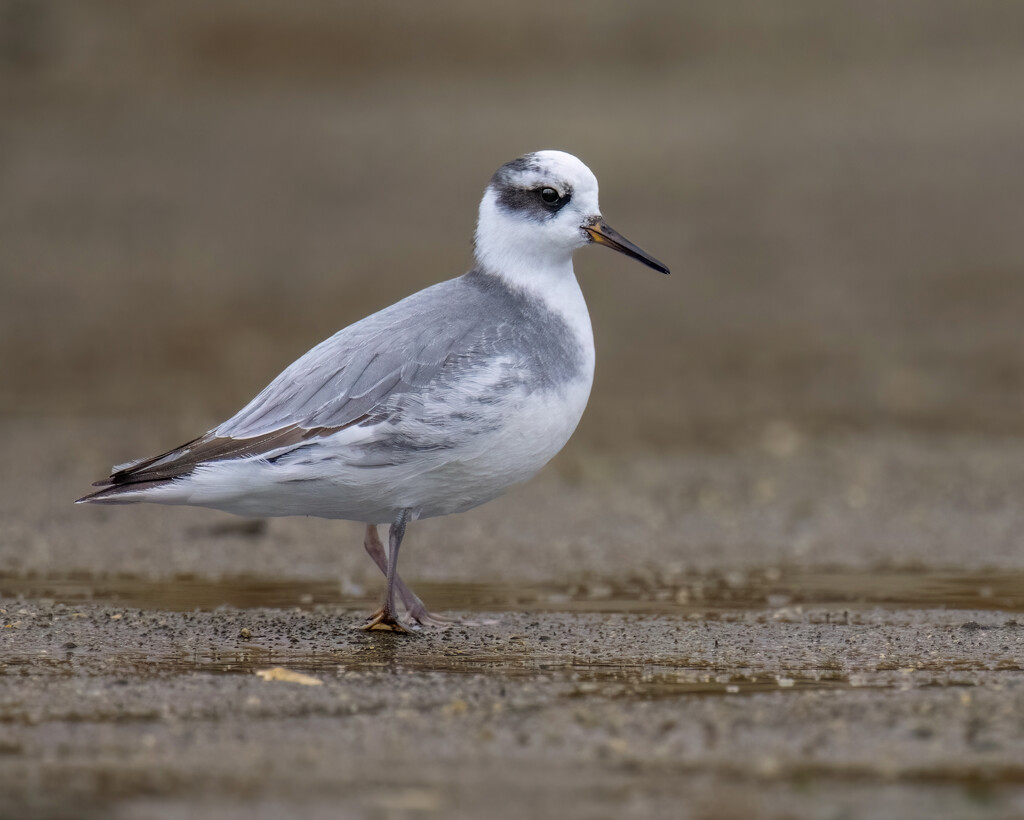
(830, 383)
(192, 194)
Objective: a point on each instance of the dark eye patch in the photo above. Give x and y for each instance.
(538, 203)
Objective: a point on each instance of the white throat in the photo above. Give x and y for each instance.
(511, 249)
(514, 250)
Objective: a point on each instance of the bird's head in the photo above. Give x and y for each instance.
(540, 208)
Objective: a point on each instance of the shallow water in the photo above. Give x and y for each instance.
(704, 595)
(627, 678)
(839, 599)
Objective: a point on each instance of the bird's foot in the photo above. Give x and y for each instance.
(427, 619)
(383, 621)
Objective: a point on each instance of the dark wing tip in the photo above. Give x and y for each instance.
(183, 460)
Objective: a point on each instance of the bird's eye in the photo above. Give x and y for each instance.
(549, 195)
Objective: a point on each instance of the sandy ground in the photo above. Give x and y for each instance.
(141, 714)
(779, 570)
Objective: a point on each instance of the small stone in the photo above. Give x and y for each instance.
(279, 673)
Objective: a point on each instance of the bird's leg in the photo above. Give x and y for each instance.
(385, 618)
(415, 607)
(375, 549)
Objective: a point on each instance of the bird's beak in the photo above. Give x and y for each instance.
(603, 234)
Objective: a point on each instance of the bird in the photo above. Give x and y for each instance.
(429, 407)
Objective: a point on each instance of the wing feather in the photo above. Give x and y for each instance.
(369, 372)
(399, 350)
(339, 383)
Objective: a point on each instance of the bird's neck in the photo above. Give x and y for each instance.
(513, 250)
(542, 277)
(554, 286)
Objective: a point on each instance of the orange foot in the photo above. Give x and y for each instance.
(385, 622)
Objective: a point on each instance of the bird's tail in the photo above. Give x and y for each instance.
(131, 492)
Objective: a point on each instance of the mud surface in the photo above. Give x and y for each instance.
(154, 713)
(778, 572)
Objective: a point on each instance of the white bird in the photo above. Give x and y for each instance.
(429, 407)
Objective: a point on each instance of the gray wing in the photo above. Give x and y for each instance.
(367, 372)
(351, 375)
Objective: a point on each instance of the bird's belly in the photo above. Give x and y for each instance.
(528, 434)
(475, 461)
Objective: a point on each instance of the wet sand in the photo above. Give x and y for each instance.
(123, 712)
(778, 572)
(730, 658)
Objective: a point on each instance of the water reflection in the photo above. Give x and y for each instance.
(704, 595)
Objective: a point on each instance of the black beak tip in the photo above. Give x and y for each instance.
(654, 264)
(603, 234)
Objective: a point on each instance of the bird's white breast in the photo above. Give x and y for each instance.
(533, 428)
